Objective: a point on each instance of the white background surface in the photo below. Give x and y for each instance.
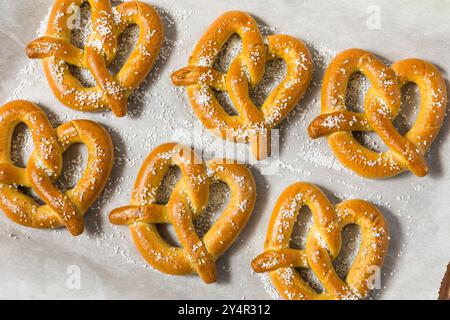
(34, 263)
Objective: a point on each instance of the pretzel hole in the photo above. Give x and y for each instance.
(163, 193)
(301, 229)
(30, 193)
(167, 232)
(229, 51)
(219, 196)
(225, 101)
(126, 43)
(74, 164)
(162, 196)
(357, 88)
(168, 182)
(370, 140)
(409, 109)
(275, 72)
(22, 145)
(351, 241)
(81, 22)
(83, 75)
(310, 278)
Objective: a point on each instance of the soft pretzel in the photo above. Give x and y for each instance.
(187, 201)
(111, 91)
(45, 165)
(381, 106)
(252, 124)
(323, 245)
(444, 290)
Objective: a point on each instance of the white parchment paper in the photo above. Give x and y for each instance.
(40, 263)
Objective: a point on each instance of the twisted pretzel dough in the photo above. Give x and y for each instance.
(323, 245)
(252, 124)
(188, 200)
(57, 52)
(45, 165)
(382, 104)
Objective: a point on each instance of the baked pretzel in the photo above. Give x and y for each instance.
(381, 106)
(45, 165)
(187, 201)
(444, 290)
(323, 245)
(252, 124)
(111, 91)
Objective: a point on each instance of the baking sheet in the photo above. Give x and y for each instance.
(42, 264)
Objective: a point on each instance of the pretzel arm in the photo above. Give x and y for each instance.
(329, 123)
(151, 213)
(199, 75)
(11, 174)
(242, 199)
(44, 138)
(46, 47)
(256, 128)
(25, 211)
(59, 202)
(284, 258)
(196, 250)
(299, 68)
(433, 92)
(151, 37)
(115, 93)
(103, 36)
(380, 120)
(290, 202)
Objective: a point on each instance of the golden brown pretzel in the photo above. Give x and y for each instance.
(382, 104)
(444, 290)
(45, 166)
(252, 124)
(188, 200)
(111, 91)
(323, 245)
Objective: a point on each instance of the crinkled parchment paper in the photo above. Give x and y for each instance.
(40, 263)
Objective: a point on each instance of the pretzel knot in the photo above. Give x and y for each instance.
(323, 245)
(381, 106)
(111, 91)
(187, 201)
(45, 165)
(252, 124)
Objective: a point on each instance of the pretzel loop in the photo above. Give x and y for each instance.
(188, 200)
(252, 124)
(381, 106)
(111, 91)
(47, 148)
(44, 167)
(323, 245)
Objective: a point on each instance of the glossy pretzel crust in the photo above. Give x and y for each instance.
(252, 124)
(323, 245)
(45, 165)
(111, 91)
(382, 105)
(187, 201)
